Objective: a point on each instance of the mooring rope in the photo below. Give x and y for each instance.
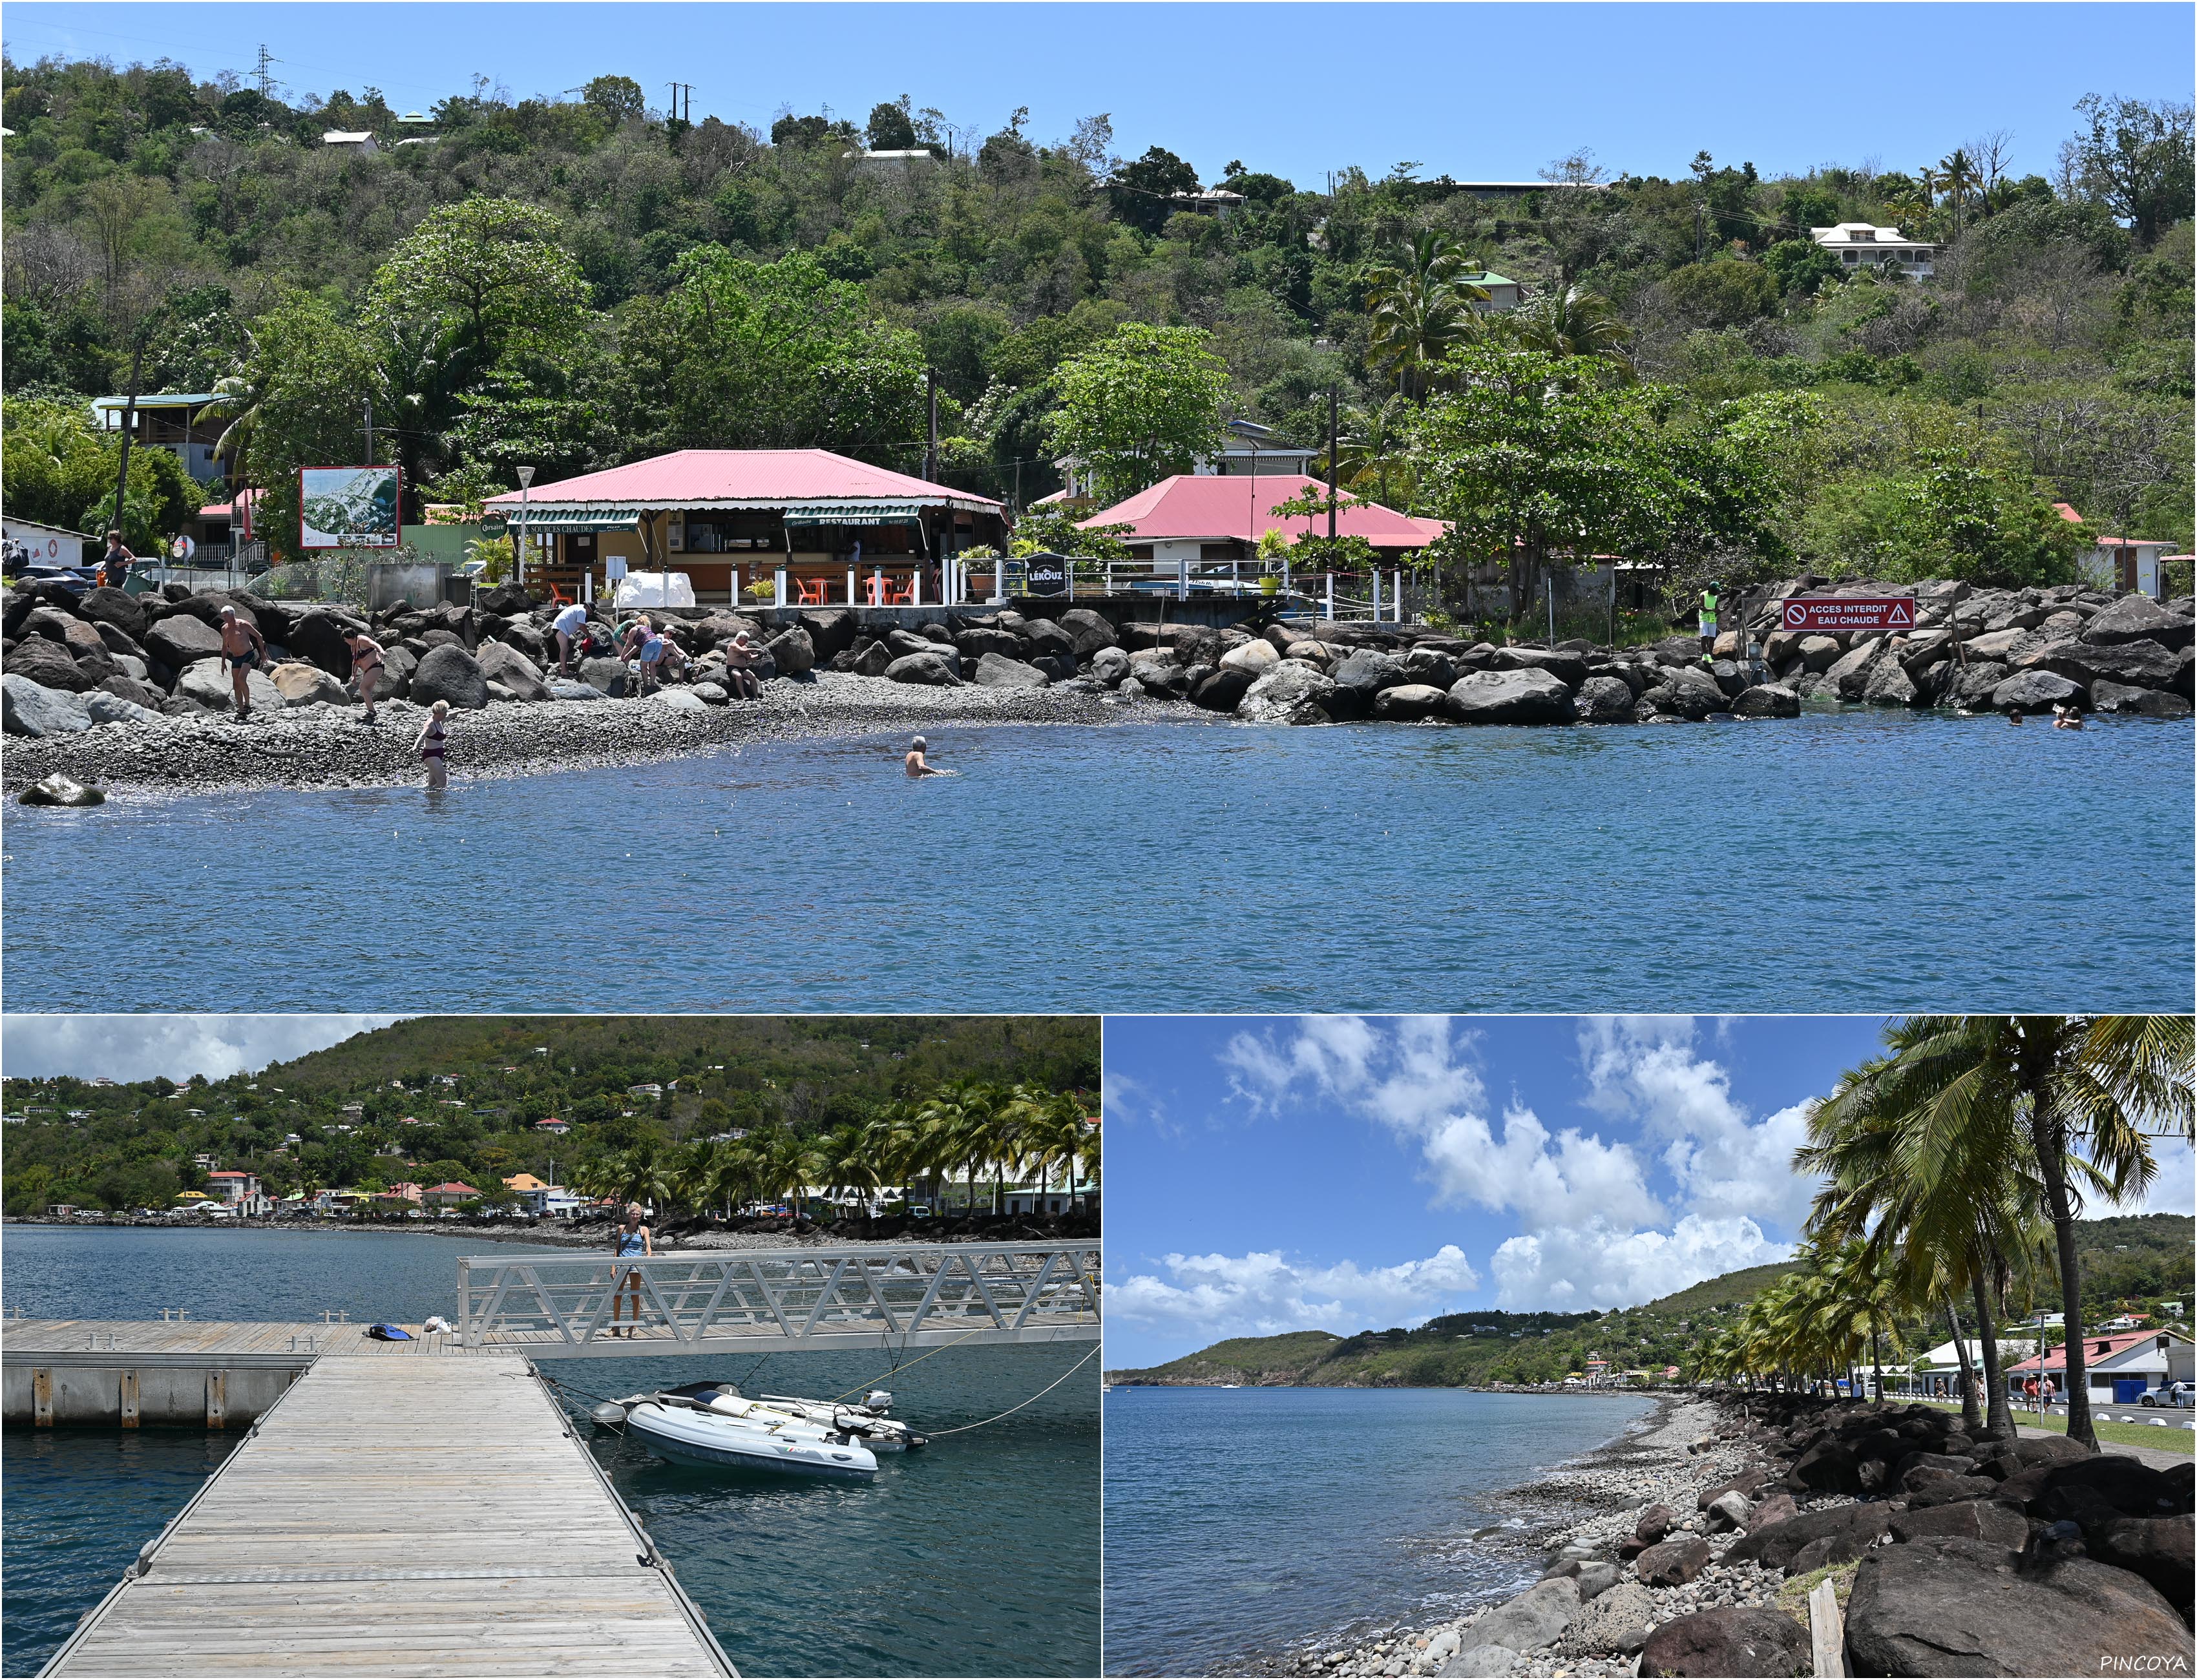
(1056, 1382)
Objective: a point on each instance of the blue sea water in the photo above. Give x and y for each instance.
(1245, 1524)
(1844, 860)
(978, 1555)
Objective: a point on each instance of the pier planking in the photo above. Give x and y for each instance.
(421, 1516)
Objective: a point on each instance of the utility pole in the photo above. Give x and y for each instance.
(370, 432)
(1334, 409)
(931, 452)
(266, 81)
(129, 426)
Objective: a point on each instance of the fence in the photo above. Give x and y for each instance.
(910, 1295)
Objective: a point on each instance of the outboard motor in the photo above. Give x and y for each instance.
(879, 1400)
(608, 1414)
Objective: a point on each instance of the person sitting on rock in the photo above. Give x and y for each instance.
(245, 651)
(740, 667)
(365, 666)
(568, 625)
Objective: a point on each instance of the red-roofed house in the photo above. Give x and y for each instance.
(2153, 1357)
(554, 1126)
(729, 518)
(449, 1195)
(1193, 518)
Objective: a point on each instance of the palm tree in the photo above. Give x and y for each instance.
(239, 397)
(1577, 323)
(1373, 455)
(1421, 307)
(848, 1163)
(2081, 1096)
(1960, 174)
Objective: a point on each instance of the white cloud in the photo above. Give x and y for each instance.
(2173, 1187)
(1264, 1294)
(127, 1047)
(1645, 1069)
(1593, 1229)
(1572, 1268)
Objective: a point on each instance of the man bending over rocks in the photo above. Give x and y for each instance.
(245, 649)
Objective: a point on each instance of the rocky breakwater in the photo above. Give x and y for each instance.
(1952, 1552)
(1971, 649)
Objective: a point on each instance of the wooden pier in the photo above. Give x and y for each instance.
(429, 1514)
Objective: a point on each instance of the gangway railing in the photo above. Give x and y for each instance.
(904, 1295)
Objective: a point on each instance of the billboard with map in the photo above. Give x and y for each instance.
(348, 508)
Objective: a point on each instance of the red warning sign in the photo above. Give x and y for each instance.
(1849, 612)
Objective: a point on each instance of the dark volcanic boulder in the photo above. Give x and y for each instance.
(1160, 672)
(1222, 689)
(1042, 635)
(2036, 692)
(47, 665)
(831, 632)
(2113, 697)
(2157, 1548)
(1510, 697)
(33, 710)
(500, 662)
(924, 670)
(1850, 1530)
(1748, 1482)
(1766, 699)
(506, 600)
(1087, 630)
(1655, 1523)
(1568, 668)
(1431, 666)
(1367, 672)
(319, 637)
(1674, 1562)
(1993, 1522)
(1604, 699)
(2137, 665)
(2130, 1487)
(127, 613)
(995, 670)
(1925, 1488)
(1957, 1608)
(1749, 1641)
(794, 654)
(2133, 618)
(978, 640)
(449, 673)
(1828, 1466)
(182, 639)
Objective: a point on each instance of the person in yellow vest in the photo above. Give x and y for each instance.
(1708, 622)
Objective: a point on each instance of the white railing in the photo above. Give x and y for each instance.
(907, 1295)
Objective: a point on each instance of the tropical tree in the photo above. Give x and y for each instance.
(2080, 1095)
(1574, 322)
(1139, 405)
(1421, 307)
(1373, 454)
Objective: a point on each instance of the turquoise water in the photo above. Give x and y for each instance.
(1844, 860)
(978, 1555)
(1243, 1524)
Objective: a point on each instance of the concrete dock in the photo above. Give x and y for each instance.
(399, 1511)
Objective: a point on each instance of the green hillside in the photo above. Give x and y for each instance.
(2128, 1264)
(455, 1098)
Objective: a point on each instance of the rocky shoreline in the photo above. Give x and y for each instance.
(1699, 1534)
(127, 692)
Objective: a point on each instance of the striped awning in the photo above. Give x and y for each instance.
(577, 516)
(855, 513)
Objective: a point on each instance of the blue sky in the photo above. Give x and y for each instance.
(1345, 1173)
(172, 1047)
(1484, 92)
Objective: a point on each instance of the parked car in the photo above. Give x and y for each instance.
(2175, 1395)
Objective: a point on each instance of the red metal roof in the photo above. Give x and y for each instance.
(1187, 507)
(2118, 1342)
(2067, 513)
(757, 478)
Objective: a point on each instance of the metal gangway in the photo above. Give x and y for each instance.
(892, 1294)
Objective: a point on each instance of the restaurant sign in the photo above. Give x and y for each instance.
(1045, 575)
(1849, 612)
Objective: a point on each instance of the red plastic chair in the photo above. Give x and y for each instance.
(809, 591)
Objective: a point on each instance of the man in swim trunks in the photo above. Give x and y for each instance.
(918, 766)
(740, 667)
(245, 651)
(567, 625)
(365, 666)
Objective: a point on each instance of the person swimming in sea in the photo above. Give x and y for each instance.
(433, 745)
(918, 765)
(2066, 717)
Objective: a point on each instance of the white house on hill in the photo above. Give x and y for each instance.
(1859, 245)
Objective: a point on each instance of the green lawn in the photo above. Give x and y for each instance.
(2172, 1439)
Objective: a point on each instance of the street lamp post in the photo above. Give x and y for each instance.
(518, 552)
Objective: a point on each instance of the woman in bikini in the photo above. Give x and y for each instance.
(434, 740)
(365, 666)
(633, 1241)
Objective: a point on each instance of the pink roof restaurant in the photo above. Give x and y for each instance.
(813, 527)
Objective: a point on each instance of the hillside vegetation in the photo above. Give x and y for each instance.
(2128, 1263)
(573, 282)
(455, 1098)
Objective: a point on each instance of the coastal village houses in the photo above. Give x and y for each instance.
(2121, 1366)
(1860, 245)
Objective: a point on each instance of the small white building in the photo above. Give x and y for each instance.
(1860, 245)
(360, 141)
(2145, 1359)
(892, 163)
(2136, 563)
